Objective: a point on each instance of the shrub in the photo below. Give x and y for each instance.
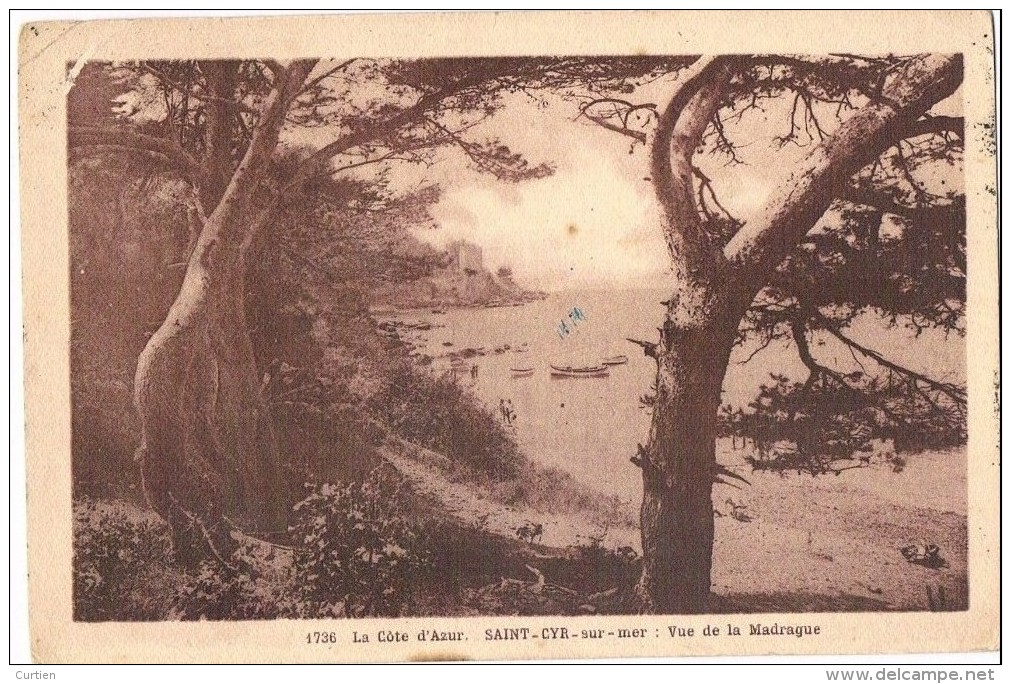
(119, 563)
(356, 554)
(240, 592)
(439, 414)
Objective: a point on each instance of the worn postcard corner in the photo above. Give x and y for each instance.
(470, 337)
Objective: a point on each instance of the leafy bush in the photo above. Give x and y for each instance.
(119, 552)
(357, 554)
(240, 592)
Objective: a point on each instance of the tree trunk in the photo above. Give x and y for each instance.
(679, 460)
(220, 116)
(208, 451)
(676, 518)
(244, 419)
(208, 447)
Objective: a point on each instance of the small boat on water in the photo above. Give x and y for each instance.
(615, 360)
(522, 371)
(579, 371)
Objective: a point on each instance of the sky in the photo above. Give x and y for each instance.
(588, 223)
(594, 222)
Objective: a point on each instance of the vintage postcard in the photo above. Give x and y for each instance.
(510, 336)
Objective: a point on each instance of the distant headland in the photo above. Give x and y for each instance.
(461, 280)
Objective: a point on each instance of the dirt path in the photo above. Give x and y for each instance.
(468, 504)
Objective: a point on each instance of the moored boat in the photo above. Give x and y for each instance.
(579, 371)
(615, 360)
(522, 371)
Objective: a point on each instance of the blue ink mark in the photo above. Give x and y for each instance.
(575, 315)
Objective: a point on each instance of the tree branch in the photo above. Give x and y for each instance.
(706, 183)
(87, 136)
(648, 348)
(326, 74)
(254, 164)
(679, 128)
(759, 246)
(318, 160)
(934, 125)
(622, 110)
(953, 392)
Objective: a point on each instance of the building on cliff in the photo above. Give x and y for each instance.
(466, 256)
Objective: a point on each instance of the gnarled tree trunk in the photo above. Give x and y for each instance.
(676, 517)
(208, 451)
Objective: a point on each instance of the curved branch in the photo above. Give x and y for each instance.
(706, 183)
(638, 136)
(89, 136)
(679, 128)
(623, 110)
(955, 393)
(798, 329)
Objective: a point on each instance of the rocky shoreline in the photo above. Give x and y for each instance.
(408, 334)
(450, 290)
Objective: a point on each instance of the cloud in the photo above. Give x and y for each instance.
(596, 220)
(592, 222)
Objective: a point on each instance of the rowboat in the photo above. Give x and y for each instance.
(579, 371)
(615, 360)
(522, 371)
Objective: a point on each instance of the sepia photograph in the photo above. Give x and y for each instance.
(432, 339)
